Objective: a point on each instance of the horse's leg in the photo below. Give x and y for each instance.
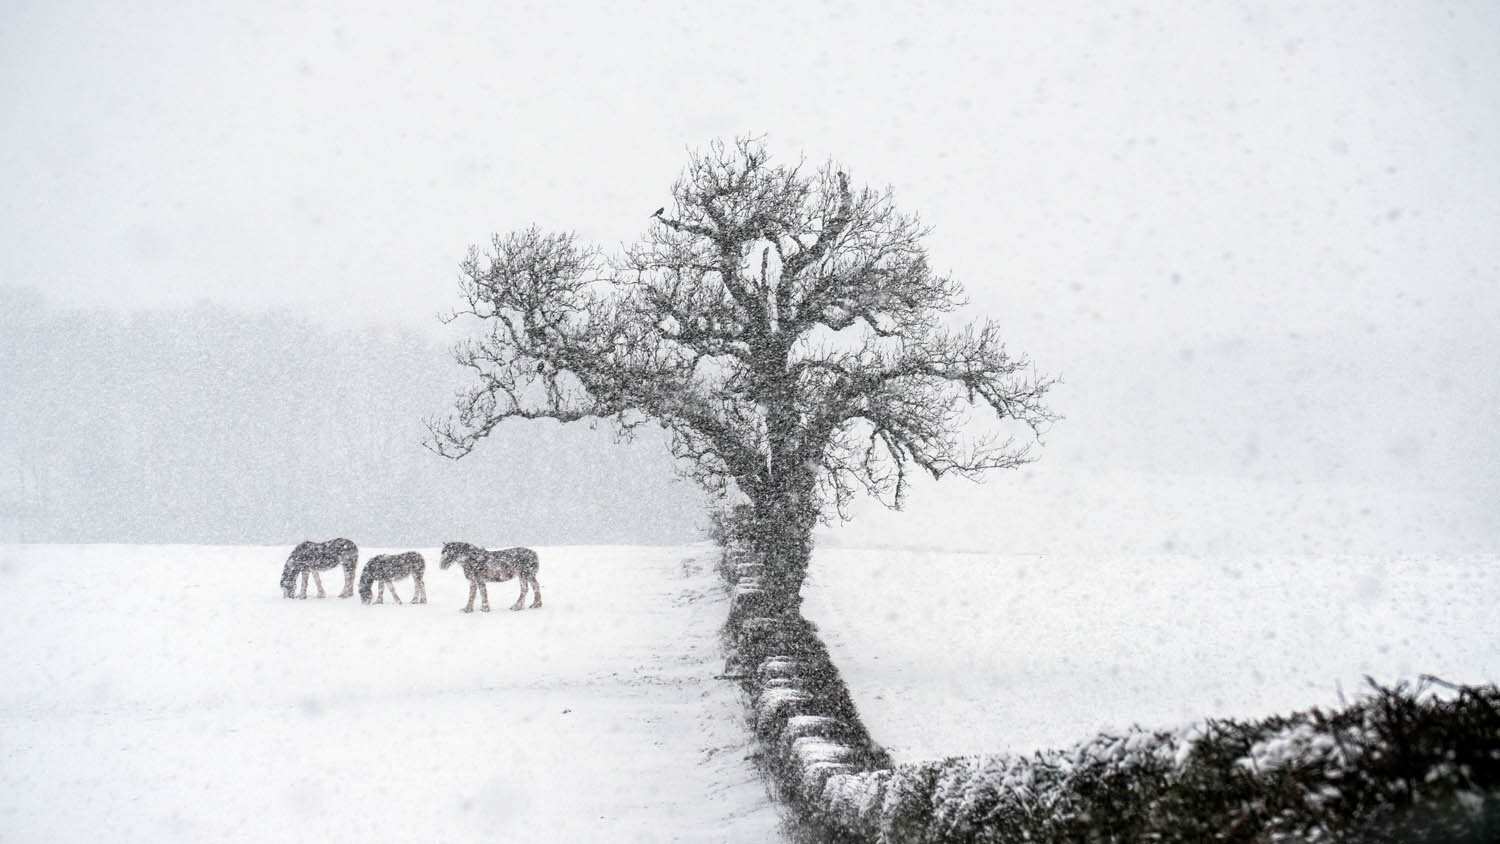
(520, 599)
(304, 584)
(348, 583)
(421, 596)
(484, 594)
(380, 596)
(394, 596)
(536, 587)
(318, 579)
(473, 590)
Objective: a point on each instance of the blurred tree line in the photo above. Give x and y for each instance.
(203, 425)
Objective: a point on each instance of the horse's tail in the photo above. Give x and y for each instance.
(367, 582)
(530, 563)
(347, 553)
(288, 579)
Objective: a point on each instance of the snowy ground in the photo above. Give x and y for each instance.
(951, 653)
(170, 693)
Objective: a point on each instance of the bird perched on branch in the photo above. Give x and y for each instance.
(660, 211)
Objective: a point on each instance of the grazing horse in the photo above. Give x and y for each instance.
(388, 568)
(481, 566)
(313, 557)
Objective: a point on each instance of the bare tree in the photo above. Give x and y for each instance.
(785, 328)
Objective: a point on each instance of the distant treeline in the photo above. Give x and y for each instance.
(204, 425)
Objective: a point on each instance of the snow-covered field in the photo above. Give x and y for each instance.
(951, 653)
(169, 693)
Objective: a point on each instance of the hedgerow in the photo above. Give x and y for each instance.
(1416, 762)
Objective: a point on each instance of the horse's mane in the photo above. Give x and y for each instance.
(366, 581)
(289, 573)
(454, 551)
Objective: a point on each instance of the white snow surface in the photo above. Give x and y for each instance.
(949, 653)
(169, 693)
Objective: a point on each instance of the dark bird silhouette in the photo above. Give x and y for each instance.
(660, 211)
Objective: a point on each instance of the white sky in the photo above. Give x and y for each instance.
(1253, 239)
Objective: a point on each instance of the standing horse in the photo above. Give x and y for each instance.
(481, 566)
(313, 557)
(388, 568)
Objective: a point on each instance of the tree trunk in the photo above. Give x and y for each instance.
(784, 521)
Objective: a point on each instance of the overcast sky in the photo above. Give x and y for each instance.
(1253, 239)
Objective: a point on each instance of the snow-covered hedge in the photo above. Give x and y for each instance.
(1406, 764)
(1400, 765)
(802, 713)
